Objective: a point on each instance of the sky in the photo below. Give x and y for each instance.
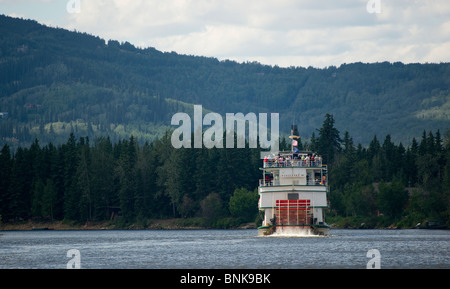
(297, 33)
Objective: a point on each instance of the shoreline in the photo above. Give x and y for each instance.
(164, 224)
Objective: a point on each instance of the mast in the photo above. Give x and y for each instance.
(295, 137)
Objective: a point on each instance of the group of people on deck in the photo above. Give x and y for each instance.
(303, 160)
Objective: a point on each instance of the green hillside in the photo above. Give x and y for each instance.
(54, 82)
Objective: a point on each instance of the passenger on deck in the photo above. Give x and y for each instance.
(280, 161)
(288, 161)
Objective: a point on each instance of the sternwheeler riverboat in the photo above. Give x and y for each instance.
(293, 192)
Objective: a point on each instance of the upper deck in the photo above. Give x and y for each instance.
(295, 163)
(294, 169)
(296, 160)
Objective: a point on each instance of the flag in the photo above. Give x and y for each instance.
(294, 143)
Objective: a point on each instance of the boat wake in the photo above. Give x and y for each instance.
(294, 232)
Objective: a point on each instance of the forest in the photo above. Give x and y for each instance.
(85, 133)
(54, 82)
(124, 182)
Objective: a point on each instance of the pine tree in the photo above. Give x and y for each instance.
(83, 183)
(37, 198)
(103, 189)
(19, 197)
(71, 194)
(5, 178)
(49, 199)
(328, 142)
(388, 158)
(127, 180)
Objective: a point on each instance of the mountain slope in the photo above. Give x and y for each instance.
(53, 81)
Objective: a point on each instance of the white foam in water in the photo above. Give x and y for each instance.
(293, 232)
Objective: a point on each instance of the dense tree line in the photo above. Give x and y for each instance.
(84, 181)
(404, 185)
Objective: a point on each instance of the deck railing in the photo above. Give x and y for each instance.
(291, 163)
(271, 183)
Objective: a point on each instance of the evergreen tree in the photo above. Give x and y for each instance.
(71, 194)
(374, 148)
(388, 159)
(127, 182)
(18, 197)
(37, 198)
(445, 214)
(5, 178)
(146, 183)
(49, 199)
(83, 183)
(102, 179)
(328, 142)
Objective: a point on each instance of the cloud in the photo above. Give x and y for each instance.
(276, 32)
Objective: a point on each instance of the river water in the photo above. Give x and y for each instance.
(223, 249)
